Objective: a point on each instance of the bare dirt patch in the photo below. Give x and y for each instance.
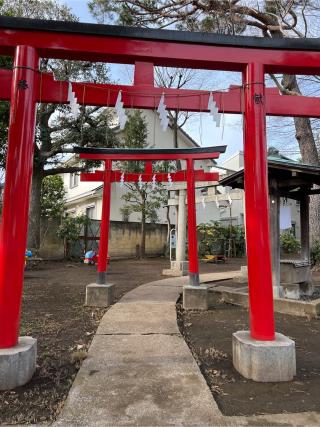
(53, 312)
(208, 335)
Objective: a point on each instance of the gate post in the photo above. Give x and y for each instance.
(181, 264)
(101, 293)
(105, 225)
(257, 206)
(19, 361)
(261, 354)
(194, 295)
(192, 226)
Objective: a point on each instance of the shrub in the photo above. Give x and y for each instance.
(289, 243)
(70, 229)
(214, 238)
(315, 253)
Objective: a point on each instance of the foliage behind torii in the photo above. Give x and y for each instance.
(57, 131)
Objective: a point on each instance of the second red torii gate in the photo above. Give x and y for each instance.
(190, 175)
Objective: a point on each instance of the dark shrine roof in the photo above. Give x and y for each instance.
(290, 176)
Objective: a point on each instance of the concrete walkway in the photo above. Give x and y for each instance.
(139, 370)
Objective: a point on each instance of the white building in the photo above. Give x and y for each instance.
(86, 197)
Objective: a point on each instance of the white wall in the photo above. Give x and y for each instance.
(86, 193)
(234, 162)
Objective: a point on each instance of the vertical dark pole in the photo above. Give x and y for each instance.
(275, 236)
(105, 225)
(16, 197)
(192, 226)
(257, 206)
(85, 238)
(304, 227)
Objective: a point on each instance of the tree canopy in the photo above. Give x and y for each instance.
(57, 131)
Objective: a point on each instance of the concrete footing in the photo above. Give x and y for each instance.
(242, 275)
(18, 363)
(294, 271)
(291, 291)
(307, 288)
(264, 361)
(177, 269)
(195, 297)
(182, 266)
(99, 295)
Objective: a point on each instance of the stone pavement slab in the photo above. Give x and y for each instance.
(149, 380)
(153, 294)
(139, 370)
(218, 276)
(139, 318)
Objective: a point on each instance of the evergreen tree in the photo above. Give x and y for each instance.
(56, 130)
(141, 199)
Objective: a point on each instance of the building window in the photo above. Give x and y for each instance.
(74, 179)
(90, 212)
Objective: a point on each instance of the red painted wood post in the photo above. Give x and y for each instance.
(192, 226)
(257, 206)
(105, 225)
(148, 168)
(143, 74)
(16, 196)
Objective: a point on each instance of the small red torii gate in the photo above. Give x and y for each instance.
(190, 175)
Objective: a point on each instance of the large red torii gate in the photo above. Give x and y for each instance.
(143, 94)
(28, 40)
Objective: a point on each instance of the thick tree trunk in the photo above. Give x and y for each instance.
(314, 218)
(35, 212)
(309, 155)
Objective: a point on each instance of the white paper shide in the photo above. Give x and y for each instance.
(75, 110)
(212, 107)
(120, 111)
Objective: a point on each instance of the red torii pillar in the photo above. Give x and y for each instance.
(192, 226)
(257, 206)
(259, 354)
(17, 191)
(19, 353)
(105, 225)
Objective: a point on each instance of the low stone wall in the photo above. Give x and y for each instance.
(124, 240)
(309, 309)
